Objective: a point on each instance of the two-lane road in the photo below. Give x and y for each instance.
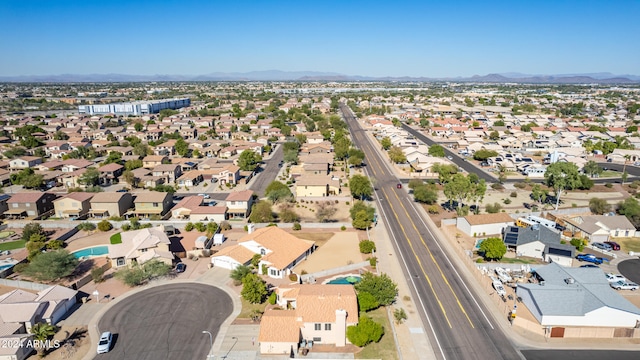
(457, 324)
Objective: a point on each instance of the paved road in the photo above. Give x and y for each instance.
(456, 323)
(631, 270)
(580, 355)
(269, 172)
(466, 166)
(166, 322)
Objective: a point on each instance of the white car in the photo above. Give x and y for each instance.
(624, 285)
(613, 278)
(104, 345)
(206, 196)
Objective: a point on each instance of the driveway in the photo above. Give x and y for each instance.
(166, 322)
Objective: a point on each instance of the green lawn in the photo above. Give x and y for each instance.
(386, 348)
(116, 239)
(609, 173)
(12, 245)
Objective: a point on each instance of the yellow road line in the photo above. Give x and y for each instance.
(420, 264)
(435, 262)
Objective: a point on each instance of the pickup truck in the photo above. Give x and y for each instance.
(590, 258)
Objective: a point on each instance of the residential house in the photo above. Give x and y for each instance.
(599, 228)
(21, 310)
(108, 204)
(317, 186)
(72, 165)
(152, 203)
(484, 224)
(140, 246)
(30, 204)
(239, 204)
(167, 148)
(540, 242)
(110, 173)
(315, 313)
(190, 178)
(194, 209)
(4, 198)
(75, 205)
(24, 162)
(170, 172)
(151, 161)
(280, 251)
(570, 297)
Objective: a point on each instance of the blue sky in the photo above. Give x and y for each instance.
(371, 38)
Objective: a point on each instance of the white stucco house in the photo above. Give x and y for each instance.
(484, 224)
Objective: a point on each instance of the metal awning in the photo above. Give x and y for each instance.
(149, 211)
(15, 212)
(72, 211)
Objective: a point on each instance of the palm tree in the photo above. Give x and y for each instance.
(41, 332)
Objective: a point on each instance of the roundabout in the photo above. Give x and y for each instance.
(166, 322)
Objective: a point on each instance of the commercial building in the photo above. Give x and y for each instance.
(135, 107)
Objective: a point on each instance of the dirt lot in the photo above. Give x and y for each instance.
(340, 250)
(307, 209)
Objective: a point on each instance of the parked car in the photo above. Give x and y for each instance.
(614, 245)
(399, 186)
(613, 278)
(206, 196)
(104, 345)
(590, 266)
(624, 285)
(450, 157)
(123, 190)
(181, 267)
(602, 246)
(590, 258)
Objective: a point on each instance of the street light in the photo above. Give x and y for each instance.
(210, 342)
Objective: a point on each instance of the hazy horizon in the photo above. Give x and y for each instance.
(356, 38)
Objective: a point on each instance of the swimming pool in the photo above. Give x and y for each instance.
(5, 266)
(348, 280)
(92, 251)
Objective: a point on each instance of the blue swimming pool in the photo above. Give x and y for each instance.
(92, 251)
(349, 280)
(5, 266)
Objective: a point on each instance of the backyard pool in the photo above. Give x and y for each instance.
(5, 266)
(348, 280)
(91, 251)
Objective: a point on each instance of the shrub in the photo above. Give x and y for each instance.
(55, 244)
(507, 201)
(493, 209)
(125, 227)
(367, 246)
(293, 277)
(272, 224)
(365, 332)
(497, 186)
(297, 226)
(273, 298)
(480, 260)
(577, 243)
(104, 225)
(18, 268)
(188, 227)
(367, 302)
(343, 228)
(608, 185)
(225, 225)
(513, 194)
(433, 209)
(373, 261)
(346, 203)
(97, 274)
(87, 226)
(520, 185)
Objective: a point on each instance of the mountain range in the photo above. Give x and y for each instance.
(277, 75)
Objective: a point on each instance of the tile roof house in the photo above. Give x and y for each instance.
(170, 172)
(576, 297)
(192, 208)
(317, 186)
(318, 313)
(152, 203)
(140, 246)
(239, 204)
(280, 251)
(75, 205)
(107, 204)
(24, 162)
(30, 204)
(110, 173)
